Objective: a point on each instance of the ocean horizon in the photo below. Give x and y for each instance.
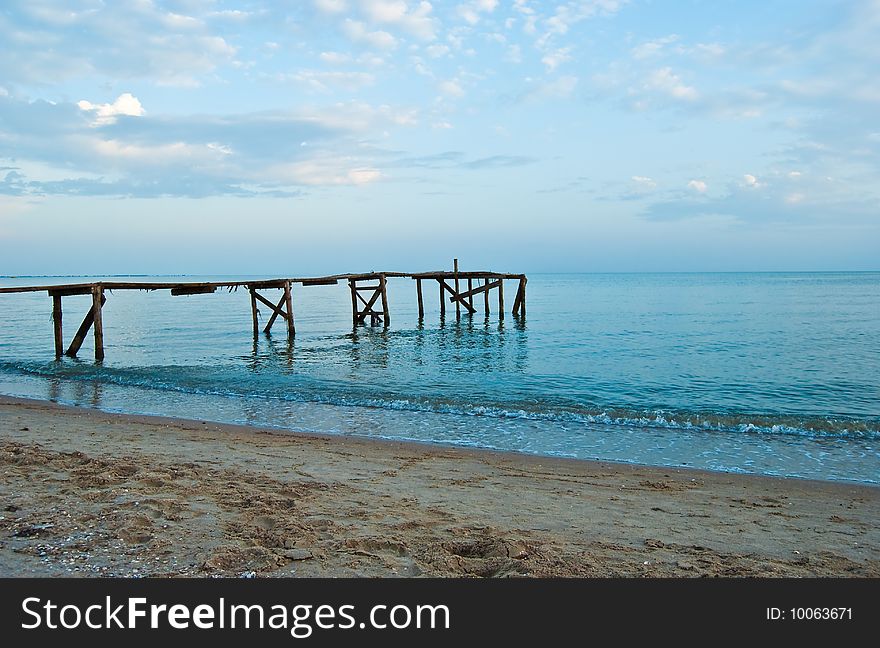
(771, 373)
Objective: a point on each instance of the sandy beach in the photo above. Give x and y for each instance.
(88, 493)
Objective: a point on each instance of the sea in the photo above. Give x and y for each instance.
(763, 373)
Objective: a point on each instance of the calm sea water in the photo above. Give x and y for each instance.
(765, 373)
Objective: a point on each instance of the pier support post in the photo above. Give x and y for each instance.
(471, 296)
(97, 307)
(486, 296)
(87, 323)
(455, 270)
(254, 312)
(419, 293)
(519, 303)
(379, 291)
(386, 315)
(442, 299)
(284, 309)
(354, 302)
(288, 303)
(501, 299)
(56, 320)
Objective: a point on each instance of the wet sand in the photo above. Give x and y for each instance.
(88, 493)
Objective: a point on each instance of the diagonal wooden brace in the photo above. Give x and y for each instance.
(83, 330)
(477, 290)
(368, 310)
(457, 298)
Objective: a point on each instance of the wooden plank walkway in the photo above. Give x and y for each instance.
(369, 298)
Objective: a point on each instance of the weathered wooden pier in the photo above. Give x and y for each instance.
(369, 298)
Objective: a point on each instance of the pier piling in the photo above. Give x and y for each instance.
(98, 318)
(56, 321)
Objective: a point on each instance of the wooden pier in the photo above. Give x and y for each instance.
(369, 298)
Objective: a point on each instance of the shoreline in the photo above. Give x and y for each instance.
(426, 445)
(86, 492)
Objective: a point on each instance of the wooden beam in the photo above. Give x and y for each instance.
(476, 291)
(470, 294)
(501, 299)
(192, 290)
(319, 282)
(486, 294)
(368, 310)
(455, 270)
(370, 287)
(519, 303)
(254, 312)
(354, 302)
(442, 300)
(56, 320)
(82, 331)
(288, 302)
(97, 307)
(65, 292)
(276, 311)
(419, 293)
(458, 299)
(386, 314)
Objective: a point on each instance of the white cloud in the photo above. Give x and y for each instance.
(470, 11)
(359, 116)
(324, 172)
(331, 6)
(125, 104)
(556, 58)
(653, 48)
(709, 51)
(158, 155)
(560, 88)
(452, 88)
(698, 185)
(359, 33)
(323, 81)
(644, 183)
(230, 14)
(751, 181)
(416, 21)
(666, 81)
(436, 51)
(566, 15)
(334, 58)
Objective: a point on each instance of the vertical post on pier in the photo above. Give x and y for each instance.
(471, 297)
(386, 316)
(421, 305)
(97, 304)
(486, 295)
(56, 320)
(254, 312)
(501, 298)
(519, 304)
(457, 304)
(442, 298)
(354, 302)
(288, 304)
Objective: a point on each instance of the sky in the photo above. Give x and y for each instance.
(324, 136)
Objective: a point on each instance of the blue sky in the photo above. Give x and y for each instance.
(312, 136)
